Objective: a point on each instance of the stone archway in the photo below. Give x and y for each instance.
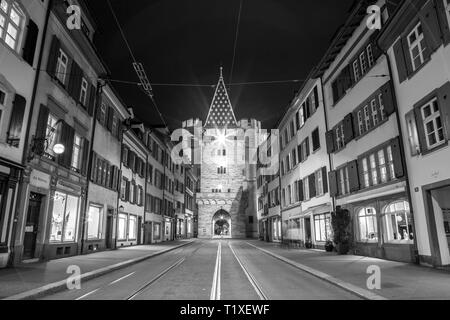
(221, 225)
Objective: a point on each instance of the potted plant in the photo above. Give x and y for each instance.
(341, 224)
(329, 246)
(308, 243)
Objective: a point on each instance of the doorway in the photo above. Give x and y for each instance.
(308, 228)
(440, 203)
(221, 224)
(139, 235)
(109, 229)
(32, 225)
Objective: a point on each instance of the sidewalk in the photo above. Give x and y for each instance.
(29, 277)
(401, 281)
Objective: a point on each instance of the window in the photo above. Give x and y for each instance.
(366, 173)
(11, 21)
(76, 153)
(367, 117)
(94, 222)
(360, 123)
(340, 138)
(363, 62)
(319, 183)
(367, 220)
(382, 166)
(398, 222)
(302, 116)
(370, 55)
(61, 66)
(290, 195)
(306, 195)
(132, 228)
(103, 114)
(381, 105)
(390, 163)
(447, 9)
(51, 122)
(432, 122)
(344, 182)
(322, 227)
(417, 46)
(83, 92)
(122, 228)
(64, 218)
(123, 189)
(115, 126)
(373, 169)
(356, 73)
(374, 108)
(316, 139)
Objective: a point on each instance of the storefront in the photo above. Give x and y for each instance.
(127, 229)
(275, 225)
(383, 228)
(322, 229)
(167, 229)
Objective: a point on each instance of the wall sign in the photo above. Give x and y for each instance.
(40, 179)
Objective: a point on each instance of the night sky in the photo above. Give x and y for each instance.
(186, 42)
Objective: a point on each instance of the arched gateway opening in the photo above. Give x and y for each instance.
(221, 224)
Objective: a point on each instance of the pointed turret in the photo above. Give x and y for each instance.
(221, 114)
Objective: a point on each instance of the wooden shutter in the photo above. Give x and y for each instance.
(388, 98)
(430, 26)
(413, 135)
(297, 120)
(74, 87)
(109, 117)
(400, 61)
(324, 180)
(299, 152)
(330, 141)
(353, 176)
(312, 185)
(307, 147)
(444, 107)
(91, 102)
(16, 121)
(407, 55)
(332, 178)
(335, 89)
(41, 130)
(29, 48)
(443, 21)
(307, 108)
(69, 147)
(53, 56)
(397, 158)
(355, 124)
(301, 196)
(348, 128)
(316, 139)
(85, 157)
(420, 129)
(127, 191)
(316, 96)
(94, 167)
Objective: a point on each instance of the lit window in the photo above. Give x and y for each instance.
(432, 122)
(367, 117)
(366, 173)
(373, 169)
(373, 105)
(132, 228)
(370, 55)
(382, 165)
(363, 62)
(122, 228)
(398, 222)
(11, 21)
(368, 230)
(83, 92)
(360, 123)
(61, 66)
(64, 218)
(319, 183)
(322, 227)
(381, 104)
(51, 134)
(356, 70)
(94, 222)
(417, 46)
(76, 153)
(390, 163)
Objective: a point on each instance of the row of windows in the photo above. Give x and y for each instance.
(131, 192)
(132, 161)
(103, 173)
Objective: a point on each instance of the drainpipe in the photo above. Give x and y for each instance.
(402, 150)
(100, 86)
(30, 116)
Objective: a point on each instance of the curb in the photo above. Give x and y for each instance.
(362, 293)
(61, 285)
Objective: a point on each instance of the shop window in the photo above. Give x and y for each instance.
(132, 228)
(398, 222)
(11, 23)
(367, 221)
(122, 227)
(417, 46)
(322, 227)
(64, 218)
(156, 231)
(94, 222)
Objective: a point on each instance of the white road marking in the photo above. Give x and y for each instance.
(215, 289)
(87, 294)
(250, 278)
(120, 279)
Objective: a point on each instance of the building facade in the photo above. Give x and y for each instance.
(368, 177)
(416, 41)
(21, 36)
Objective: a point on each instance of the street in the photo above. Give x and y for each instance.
(204, 270)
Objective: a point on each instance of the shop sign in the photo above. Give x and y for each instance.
(40, 179)
(68, 187)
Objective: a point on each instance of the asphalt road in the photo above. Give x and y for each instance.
(204, 270)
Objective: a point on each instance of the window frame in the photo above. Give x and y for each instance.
(416, 43)
(8, 21)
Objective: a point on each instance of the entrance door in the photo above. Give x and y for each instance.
(32, 224)
(308, 228)
(441, 207)
(109, 228)
(139, 235)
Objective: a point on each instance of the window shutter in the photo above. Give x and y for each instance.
(430, 26)
(324, 180)
(353, 176)
(332, 178)
(316, 96)
(119, 179)
(53, 56)
(41, 130)
(330, 141)
(413, 136)
(420, 130)
(355, 123)
(16, 121)
(307, 108)
(30, 42)
(388, 98)
(408, 61)
(376, 51)
(400, 61)
(348, 128)
(69, 147)
(335, 89)
(94, 167)
(307, 147)
(312, 185)
(397, 157)
(301, 196)
(120, 130)
(316, 139)
(91, 102)
(110, 116)
(74, 87)
(444, 107)
(85, 157)
(127, 191)
(443, 21)
(299, 152)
